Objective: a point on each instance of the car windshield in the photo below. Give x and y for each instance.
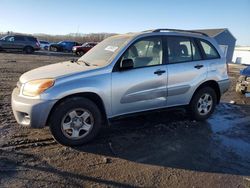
(61, 42)
(85, 44)
(44, 42)
(104, 51)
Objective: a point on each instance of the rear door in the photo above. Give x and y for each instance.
(19, 42)
(144, 86)
(186, 69)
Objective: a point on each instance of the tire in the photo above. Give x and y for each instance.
(53, 49)
(203, 104)
(28, 50)
(80, 53)
(75, 121)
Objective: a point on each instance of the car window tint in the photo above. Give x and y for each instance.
(32, 39)
(182, 49)
(146, 52)
(19, 38)
(196, 52)
(11, 39)
(6, 38)
(209, 50)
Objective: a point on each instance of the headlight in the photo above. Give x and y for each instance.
(36, 87)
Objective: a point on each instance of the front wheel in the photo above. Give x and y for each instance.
(203, 104)
(53, 49)
(80, 53)
(75, 121)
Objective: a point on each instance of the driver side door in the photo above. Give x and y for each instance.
(144, 86)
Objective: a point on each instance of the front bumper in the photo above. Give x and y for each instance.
(30, 112)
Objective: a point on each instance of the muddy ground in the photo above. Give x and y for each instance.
(155, 150)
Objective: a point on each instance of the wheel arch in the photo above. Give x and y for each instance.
(89, 95)
(28, 46)
(214, 85)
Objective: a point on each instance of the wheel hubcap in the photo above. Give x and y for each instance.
(77, 123)
(205, 104)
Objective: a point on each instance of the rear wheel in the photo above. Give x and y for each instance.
(28, 50)
(75, 121)
(203, 103)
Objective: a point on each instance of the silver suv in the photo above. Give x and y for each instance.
(124, 74)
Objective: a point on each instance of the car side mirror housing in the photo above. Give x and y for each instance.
(127, 64)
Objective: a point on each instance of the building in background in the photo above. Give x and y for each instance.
(225, 39)
(242, 55)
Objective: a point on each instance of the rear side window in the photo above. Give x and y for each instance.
(209, 50)
(19, 38)
(32, 39)
(182, 49)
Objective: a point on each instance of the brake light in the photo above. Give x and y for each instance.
(37, 44)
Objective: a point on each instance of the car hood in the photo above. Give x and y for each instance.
(55, 71)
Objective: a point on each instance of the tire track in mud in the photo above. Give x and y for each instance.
(28, 143)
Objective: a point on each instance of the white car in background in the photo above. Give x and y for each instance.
(44, 45)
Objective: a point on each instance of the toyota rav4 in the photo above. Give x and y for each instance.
(123, 75)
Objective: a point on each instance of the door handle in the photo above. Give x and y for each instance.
(198, 66)
(159, 72)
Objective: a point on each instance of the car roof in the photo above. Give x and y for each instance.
(171, 32)
(23, 36)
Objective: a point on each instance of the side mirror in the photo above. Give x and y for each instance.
(127, 64)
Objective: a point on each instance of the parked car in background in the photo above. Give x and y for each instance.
(63, 46)
(44, 45)
(243, 82)
(81, 50)
(123, 75)
(27, 44)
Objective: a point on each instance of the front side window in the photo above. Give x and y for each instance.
(209, 50)
(146, 52)
(32, 39)
(182, 49)
(11, 39)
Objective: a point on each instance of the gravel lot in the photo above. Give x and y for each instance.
(155, 150)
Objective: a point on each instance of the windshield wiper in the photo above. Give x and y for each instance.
(74, 61)
(86, 63)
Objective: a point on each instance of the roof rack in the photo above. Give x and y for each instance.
(180, 30)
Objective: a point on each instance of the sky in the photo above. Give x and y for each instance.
(122, 16)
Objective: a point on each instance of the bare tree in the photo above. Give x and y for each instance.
(80, 38)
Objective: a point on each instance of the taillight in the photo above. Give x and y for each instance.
(37, 44)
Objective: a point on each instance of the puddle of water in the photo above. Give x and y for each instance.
(226, 123)
(226, 117)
